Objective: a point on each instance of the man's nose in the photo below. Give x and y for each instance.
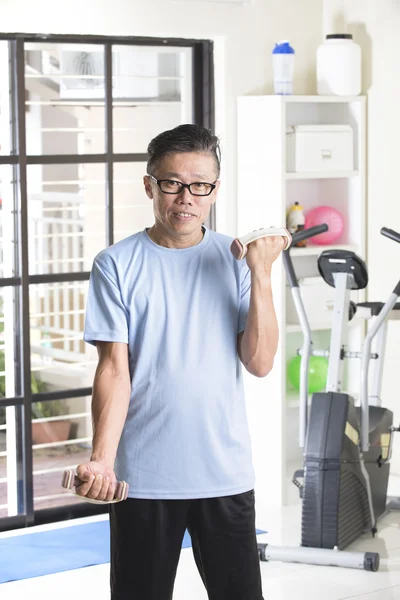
(185, 196)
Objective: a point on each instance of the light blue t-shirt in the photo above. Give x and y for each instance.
(180, 311)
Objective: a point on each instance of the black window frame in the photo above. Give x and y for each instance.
(203, 114)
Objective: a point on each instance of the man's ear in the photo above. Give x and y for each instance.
(147, 187)
(215, 192)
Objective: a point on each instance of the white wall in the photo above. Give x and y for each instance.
(375, 26)
(244, 37)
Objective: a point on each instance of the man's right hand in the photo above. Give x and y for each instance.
(99, 481)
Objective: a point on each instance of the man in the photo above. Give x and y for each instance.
(172, 314)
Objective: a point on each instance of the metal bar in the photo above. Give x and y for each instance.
(75, 291)
(324, 353)
(207, 91)
(204, 95)
(69, 337)
(14, 145)
(12, 304)
(61, 418)
(47, 278)
(58, 266)
(339, 332)
(59, 277)
(10, 281)
(61, 330)
(16, 401)
(130, 157)
(58, 353)
(320, 556)
(56, 159)
(27, 484)
(304, 364)
(365, 367)
(50, 497)
(63, 443)
(369, 492)
(64, 312)
(373, 355)
(11, 159)
(59, 238)
(61, 395)
(46, 296)
(81, 159)
(109, 146)
(351, 354)
(54, 470)
(99, 39)
(377, 376)
(9, 523)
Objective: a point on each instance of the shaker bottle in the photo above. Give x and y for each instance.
(283, 67)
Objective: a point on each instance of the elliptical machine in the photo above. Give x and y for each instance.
(347, 448)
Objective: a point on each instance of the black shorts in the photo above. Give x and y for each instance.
(146, 541)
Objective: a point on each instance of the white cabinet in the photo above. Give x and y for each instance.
(266, 189)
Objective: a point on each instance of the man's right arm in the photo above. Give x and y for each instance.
(110, 401)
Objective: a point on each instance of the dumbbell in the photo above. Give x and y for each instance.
(239, 245)
(70, 480)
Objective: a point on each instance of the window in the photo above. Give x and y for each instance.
(76, 115)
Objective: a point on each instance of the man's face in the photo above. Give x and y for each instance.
(171, 210)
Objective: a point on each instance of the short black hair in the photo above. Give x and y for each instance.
(183, 138)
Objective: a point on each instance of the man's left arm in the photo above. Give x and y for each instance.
(258, 343)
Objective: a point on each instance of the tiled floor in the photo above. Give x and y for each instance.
(281, 581)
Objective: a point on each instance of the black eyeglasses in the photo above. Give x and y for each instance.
(198, 188)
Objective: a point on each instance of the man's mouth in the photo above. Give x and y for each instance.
(183, 215)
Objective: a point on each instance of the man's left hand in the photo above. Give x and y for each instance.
(262, 253)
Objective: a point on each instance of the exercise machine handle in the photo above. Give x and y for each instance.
(305, 234)
(395, 236)
(299, 236)
(372, 331)
(304, 324)
(391, 234)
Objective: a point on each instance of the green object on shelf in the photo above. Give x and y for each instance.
(317, 373)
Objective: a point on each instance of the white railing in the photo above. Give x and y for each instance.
(59, 357)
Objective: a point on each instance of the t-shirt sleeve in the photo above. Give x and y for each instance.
(245, 288)
(106, 317)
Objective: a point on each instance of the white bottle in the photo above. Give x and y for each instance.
(283, 67)
(339, 66)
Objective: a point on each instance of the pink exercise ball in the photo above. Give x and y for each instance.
(325, 214)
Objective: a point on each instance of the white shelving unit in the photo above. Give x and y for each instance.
(265, 191)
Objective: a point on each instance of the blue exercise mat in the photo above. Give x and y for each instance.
(64, 549)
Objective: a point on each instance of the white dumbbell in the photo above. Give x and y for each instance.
(70, 480)
(239, 245)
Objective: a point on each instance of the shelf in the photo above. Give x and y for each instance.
(343, 188)
(315, 249)
(322, 175)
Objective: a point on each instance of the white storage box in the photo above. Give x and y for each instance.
(319, 148)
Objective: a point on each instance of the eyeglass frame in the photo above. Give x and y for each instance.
(185, 185)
